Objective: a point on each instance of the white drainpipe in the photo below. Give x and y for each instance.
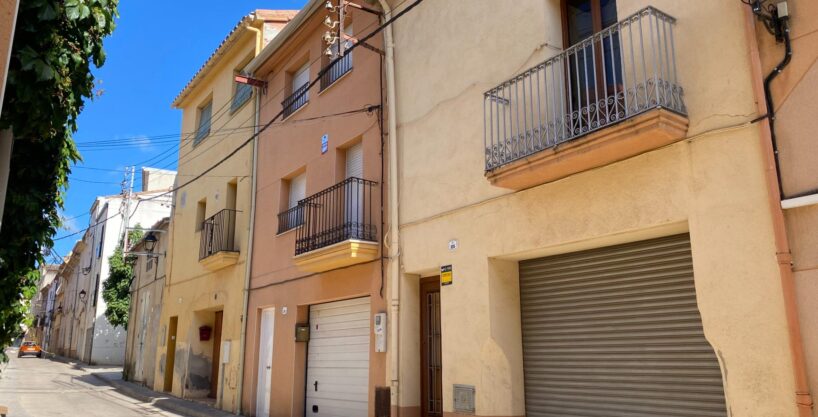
(393, 271)
(248, 258)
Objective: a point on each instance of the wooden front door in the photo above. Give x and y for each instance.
(217, 350)
(431, 375)
(170, 355)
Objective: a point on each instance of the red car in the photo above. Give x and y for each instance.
(30, 348)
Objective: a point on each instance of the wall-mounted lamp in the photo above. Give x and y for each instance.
(150, 242)
(83, 294)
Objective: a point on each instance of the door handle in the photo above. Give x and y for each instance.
(316, 385)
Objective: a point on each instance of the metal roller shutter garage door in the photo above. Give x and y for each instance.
(616, 332)
(338, 359)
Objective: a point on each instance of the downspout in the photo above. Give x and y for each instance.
(803, 398)
(768, 98)
(394, 241)
(248, 258)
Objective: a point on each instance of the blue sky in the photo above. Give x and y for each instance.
(154, 51)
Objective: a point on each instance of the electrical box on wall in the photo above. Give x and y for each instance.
(226, 351)
(302, 332)
(380, 332)
(464, 399)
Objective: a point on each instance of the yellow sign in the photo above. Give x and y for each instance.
(446, 275)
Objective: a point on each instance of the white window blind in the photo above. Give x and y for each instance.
(355, 162)
(298, 190)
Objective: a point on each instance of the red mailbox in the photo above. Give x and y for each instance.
(204, 333)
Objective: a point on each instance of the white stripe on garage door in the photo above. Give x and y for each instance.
(338, 359)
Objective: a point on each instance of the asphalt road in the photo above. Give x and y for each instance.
(34, 387)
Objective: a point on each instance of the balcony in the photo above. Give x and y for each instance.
(290, 219)
(296, 100)
(336, 71)
(338, 227)
(608, 98)
(217, 247)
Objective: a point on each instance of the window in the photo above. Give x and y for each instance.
(581, 20)
(241, 92)
(300, 79)
(101, 240)
(340, 67)
(149, 263)
(298, 190)
(293, 216)
(96, 291)
(300, 93)
(201, 209)
(203, 127)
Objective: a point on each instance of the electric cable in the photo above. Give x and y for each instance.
(267, 125)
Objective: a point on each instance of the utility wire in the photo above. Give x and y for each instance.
(269, 123)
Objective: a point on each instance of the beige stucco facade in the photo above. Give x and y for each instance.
(211, 220)
(280, 281)
(710, 185)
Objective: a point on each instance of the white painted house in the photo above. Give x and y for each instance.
(104, 344)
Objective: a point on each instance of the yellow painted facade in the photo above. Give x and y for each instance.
(710, 184)
(206, 274)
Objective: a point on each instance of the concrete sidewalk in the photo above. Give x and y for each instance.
(113, 377)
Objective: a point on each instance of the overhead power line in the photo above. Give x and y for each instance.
(267, 125)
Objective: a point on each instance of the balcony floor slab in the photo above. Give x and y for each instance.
(220, 260)
(643, 133)
(341, 254)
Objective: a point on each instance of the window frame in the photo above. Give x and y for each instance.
(234, 107)
(202, 135)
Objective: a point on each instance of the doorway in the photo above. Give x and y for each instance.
(265, 362)
(170, 355)
(431, 375)
(216, 358)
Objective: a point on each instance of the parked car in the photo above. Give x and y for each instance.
(30, 348)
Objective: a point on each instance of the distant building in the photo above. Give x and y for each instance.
(147, 289)
(102, 343)
(42, 303)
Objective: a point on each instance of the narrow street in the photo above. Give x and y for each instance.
(34, 387)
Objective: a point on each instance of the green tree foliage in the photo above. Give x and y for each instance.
(116, 290)
(49, 79)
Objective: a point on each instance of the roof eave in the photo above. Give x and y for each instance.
(284, 36)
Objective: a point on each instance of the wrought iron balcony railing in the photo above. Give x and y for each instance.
(336, 71)
(338, 213)
(624, 70)
(296, 100)
(218, 234)
(290, 219)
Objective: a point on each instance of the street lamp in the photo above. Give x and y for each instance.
(82, 295)
(150, 242)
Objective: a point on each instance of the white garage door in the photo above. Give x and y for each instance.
(338, 359)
